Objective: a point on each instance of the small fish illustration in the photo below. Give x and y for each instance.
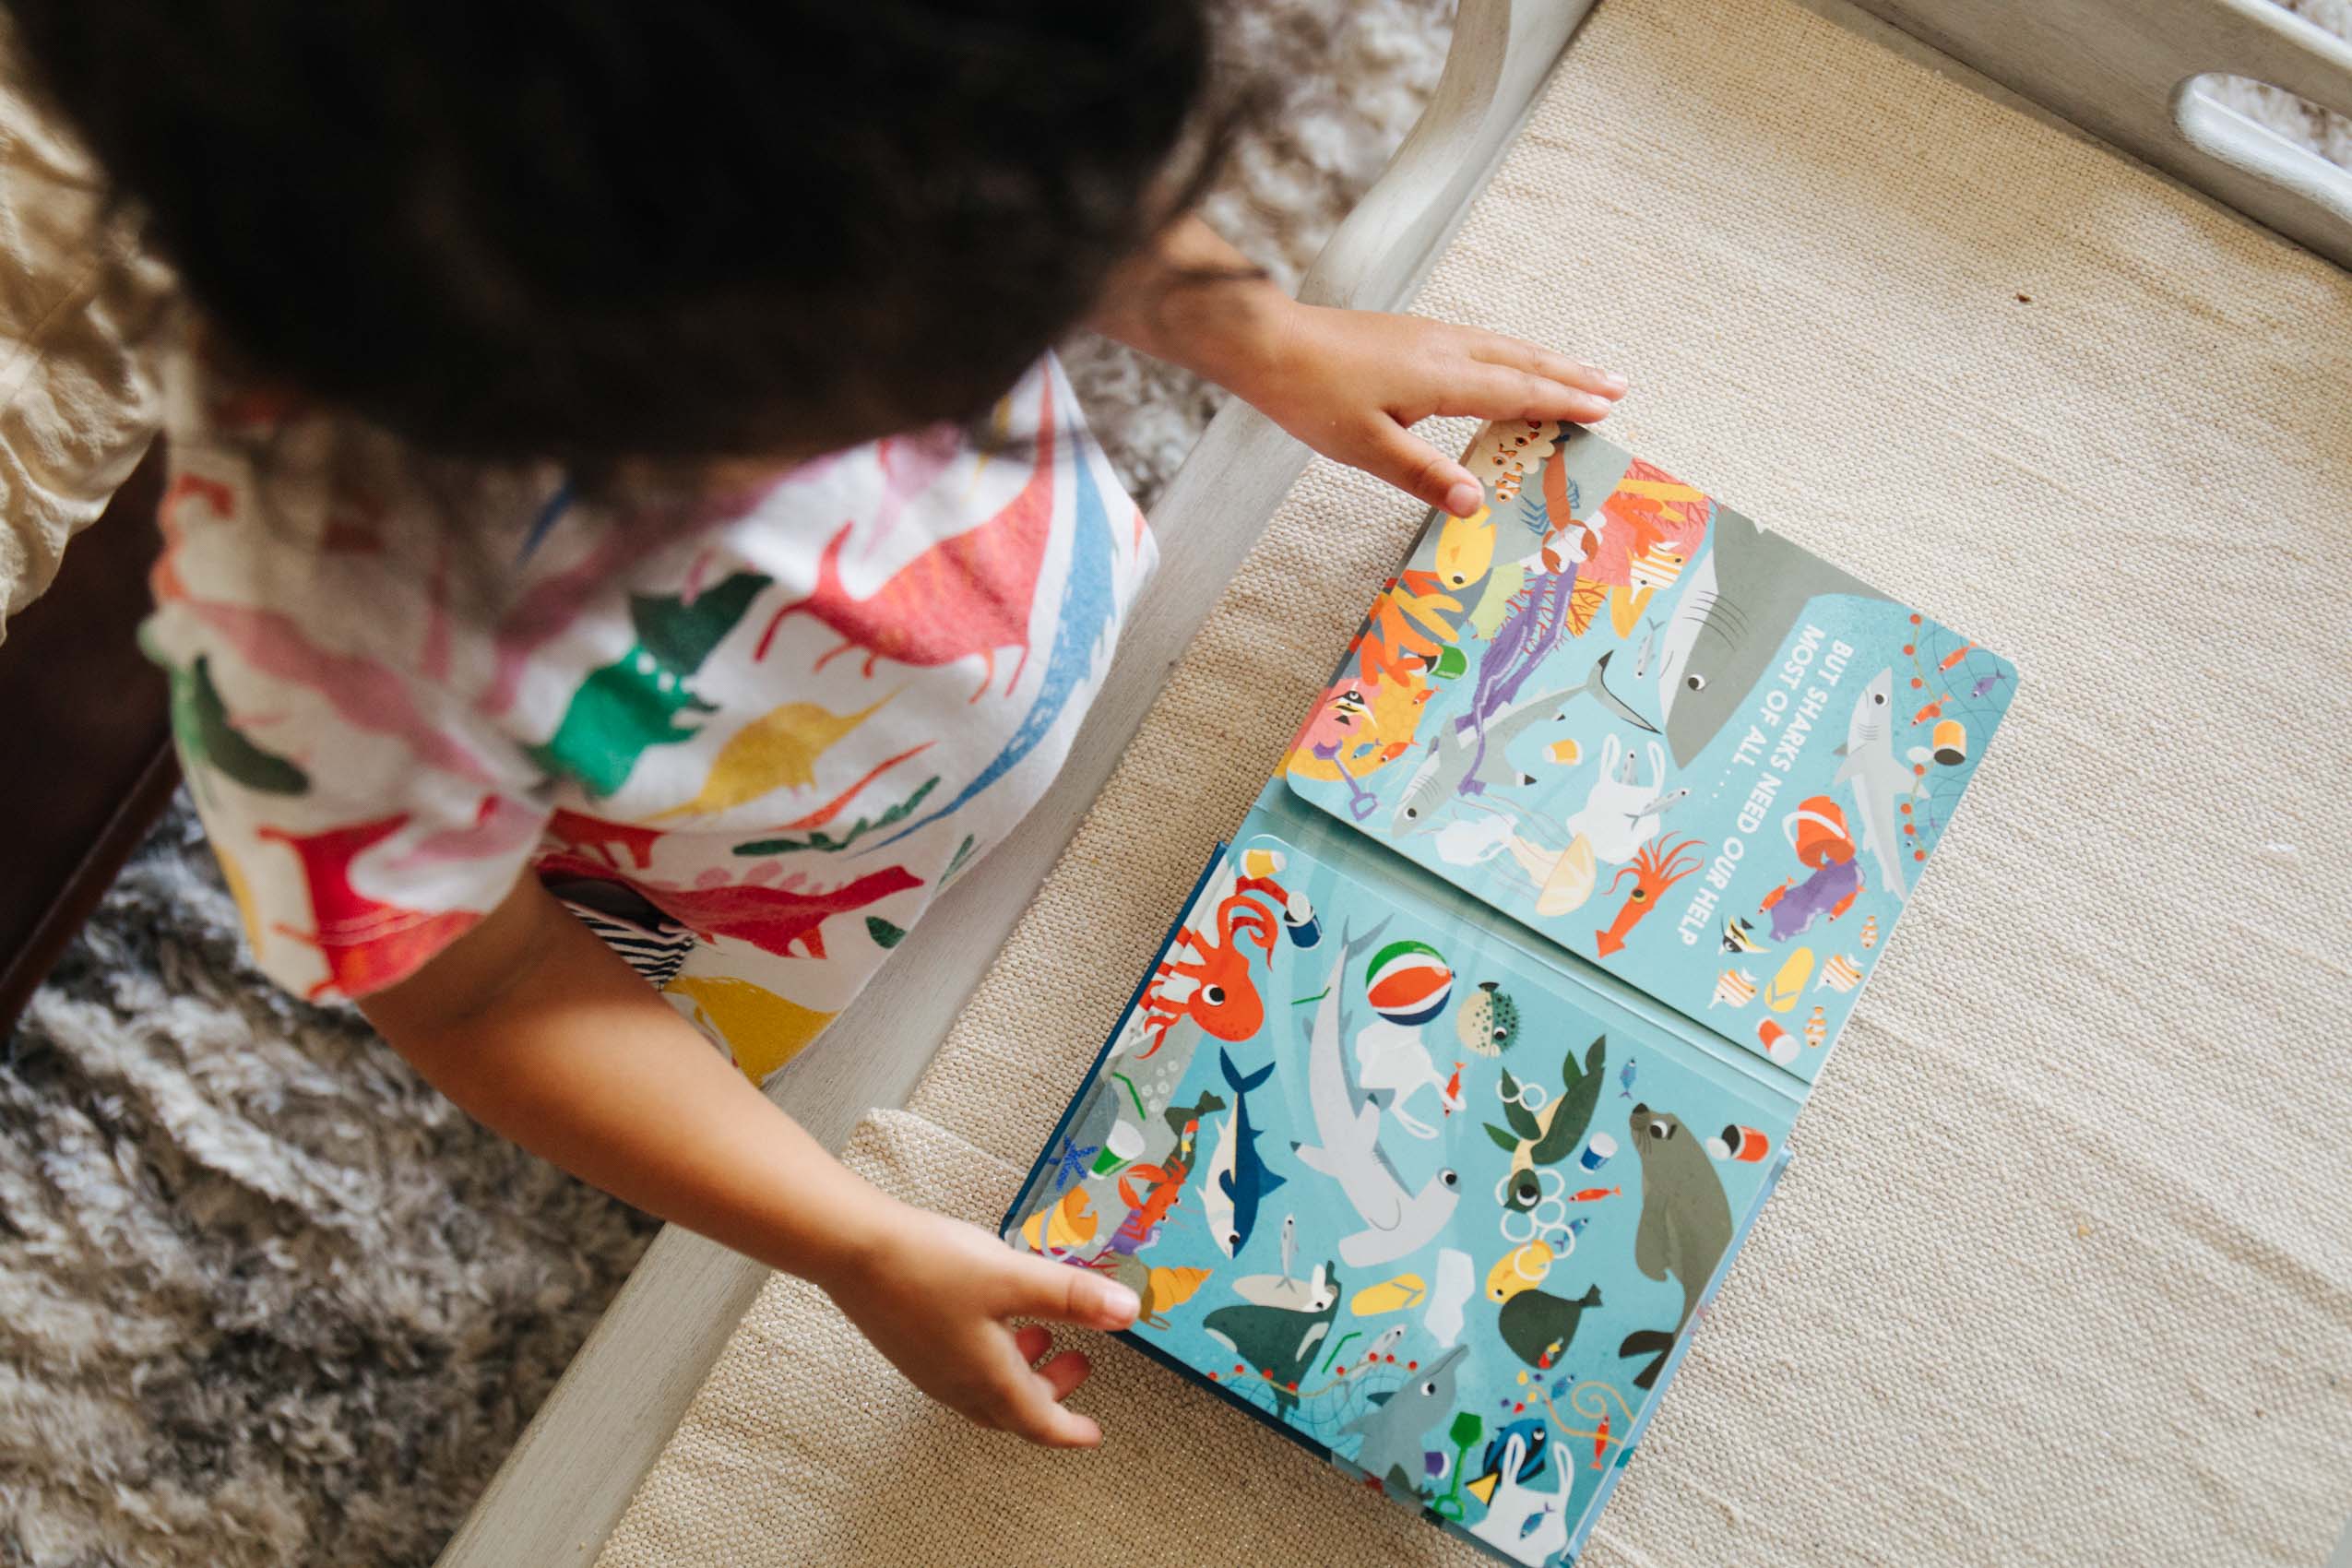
(1386, 1345)
(1933, 710)
(1289, 1244)
(1601, 1442)
(1593, 1195)
(1625, 1081)
(1738, 938)
(1870, 932)
(1956, 654)
(1817, 1028)
(1988, 684)
(1660, 806)
(1452, 1093)
(1841, 973)
(1734, 988)
(1648, 650)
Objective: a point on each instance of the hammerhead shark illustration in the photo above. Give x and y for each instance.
(1395, 1222)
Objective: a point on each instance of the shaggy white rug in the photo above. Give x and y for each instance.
(265, 1299)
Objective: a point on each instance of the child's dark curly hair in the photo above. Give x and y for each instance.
(514, 229)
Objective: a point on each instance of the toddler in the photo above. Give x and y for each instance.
(628, 547)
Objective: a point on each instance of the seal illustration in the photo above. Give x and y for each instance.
(1686, 1224)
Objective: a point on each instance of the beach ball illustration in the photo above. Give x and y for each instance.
(1409, 983)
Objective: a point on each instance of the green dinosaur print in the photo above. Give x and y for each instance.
(641, 700)
(200, 720)
(825, 842)
(959, 859)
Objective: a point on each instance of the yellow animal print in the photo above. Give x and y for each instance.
(242, 891)
(1361, 725)
(760, 1029)
(1465, 549)
(776, 751)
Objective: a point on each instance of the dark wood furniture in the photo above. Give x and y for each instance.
(85, 726)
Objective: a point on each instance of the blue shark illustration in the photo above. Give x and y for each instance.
(1236, 1180)
(1086, 615)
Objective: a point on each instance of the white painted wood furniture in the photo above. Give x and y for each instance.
(568, 1479)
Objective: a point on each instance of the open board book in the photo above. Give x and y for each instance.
(1435, 1124)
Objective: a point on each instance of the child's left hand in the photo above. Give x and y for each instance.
(1351, 383)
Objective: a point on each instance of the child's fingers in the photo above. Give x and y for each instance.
(1423, 472)
(1036, 1288)
(1029, 1405)
(1495, 349)
(1502, 392)
(1064, 1372)
(1032, 1340)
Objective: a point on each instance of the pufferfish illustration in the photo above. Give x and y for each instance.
(1486, 1020)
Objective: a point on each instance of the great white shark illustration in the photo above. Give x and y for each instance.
(1738, 603)
(1878, 780)
(1395, 1222)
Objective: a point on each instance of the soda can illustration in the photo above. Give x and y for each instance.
(1777, 1042)
(1739, 1142)
(1597, 1151)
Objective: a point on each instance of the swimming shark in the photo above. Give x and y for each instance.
(1737, 605)
(1279, 1342)
(1348, 1125)
(1878, 780)
(1456, 762)
(1393, 1428)
(1236, 1180)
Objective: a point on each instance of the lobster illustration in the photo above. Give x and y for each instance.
(1656, 867)
(1147, 1215)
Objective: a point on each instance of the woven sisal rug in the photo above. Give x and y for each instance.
(2062, 1271)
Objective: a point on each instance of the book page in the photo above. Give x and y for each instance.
(1681, 746)
(1404, 1190)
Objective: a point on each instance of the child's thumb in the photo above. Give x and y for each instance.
(1061, 1293)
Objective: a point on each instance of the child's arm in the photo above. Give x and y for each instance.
(534, 1027)
(1349, 382)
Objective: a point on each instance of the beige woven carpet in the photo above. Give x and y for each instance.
(2062, 1273)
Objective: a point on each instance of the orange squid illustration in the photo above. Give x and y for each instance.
(1656, 867)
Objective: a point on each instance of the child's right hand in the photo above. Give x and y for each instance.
(934, 1294)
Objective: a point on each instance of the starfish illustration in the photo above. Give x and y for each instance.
(1073, 1165)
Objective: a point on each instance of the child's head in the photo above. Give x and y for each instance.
(582, 230)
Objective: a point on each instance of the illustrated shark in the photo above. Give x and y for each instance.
(1738, 603)
(1878, 780)
(1396, 1222)
(1393, 1428)
(1280, 1343)
(1236, 1180)
(1456, 763)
